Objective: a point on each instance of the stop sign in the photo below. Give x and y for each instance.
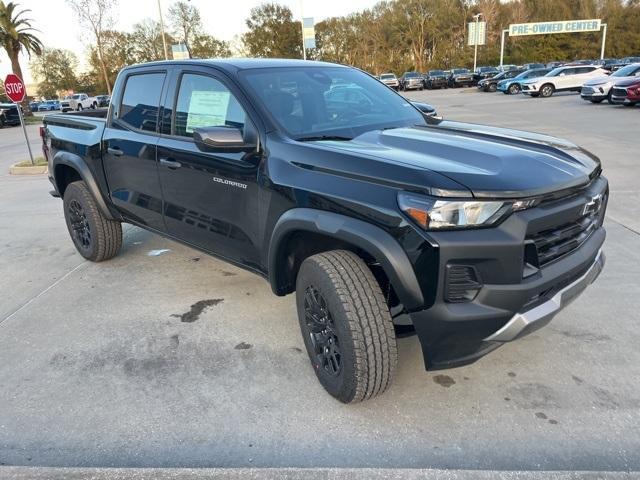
(14, 88)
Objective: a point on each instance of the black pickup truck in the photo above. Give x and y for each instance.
(380, 218)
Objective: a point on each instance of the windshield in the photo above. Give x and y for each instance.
(627, 71)
(533, 73)
(75, 97)
(460, 70)
(555, 72)
(387, 76)
(328, 101)
(411, 74)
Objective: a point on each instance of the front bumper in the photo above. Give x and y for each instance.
(414, 85)
(513, 300)
(523, 323)
(596, 93)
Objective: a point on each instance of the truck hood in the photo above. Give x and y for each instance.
(490, 162)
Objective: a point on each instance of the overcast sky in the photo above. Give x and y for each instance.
(222, 18)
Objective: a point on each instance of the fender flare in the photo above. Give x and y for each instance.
(79, 165)
(370, 238)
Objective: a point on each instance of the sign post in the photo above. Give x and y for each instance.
(477, 36)
(16, 91)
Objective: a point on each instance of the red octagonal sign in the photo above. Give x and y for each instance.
(14, 88)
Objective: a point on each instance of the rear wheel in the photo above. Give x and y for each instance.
(95, 237)
(546, 90)
(346, 326)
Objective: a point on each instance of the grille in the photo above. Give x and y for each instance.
(553, 243)
(619, 92)
(587, 90)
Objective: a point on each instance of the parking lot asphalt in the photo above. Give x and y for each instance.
(98, 367)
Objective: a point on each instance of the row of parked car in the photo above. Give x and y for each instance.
(594, 82)
(454, 78)
(491, 79)
(75, 102)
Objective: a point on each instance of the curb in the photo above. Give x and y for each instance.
(29, 170)
(45, 473)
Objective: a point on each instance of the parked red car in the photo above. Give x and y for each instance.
(626, 92)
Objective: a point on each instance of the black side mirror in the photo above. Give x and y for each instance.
(221, 139)
(428, 112)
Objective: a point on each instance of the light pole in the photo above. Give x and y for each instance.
(475, 51)
(164, 40)
(304, 50)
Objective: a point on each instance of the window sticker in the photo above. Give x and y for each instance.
(207, 108)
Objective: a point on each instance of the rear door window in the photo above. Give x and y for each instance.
(141, 101)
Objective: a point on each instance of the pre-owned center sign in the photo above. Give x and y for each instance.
(564, 26)
(561, 26)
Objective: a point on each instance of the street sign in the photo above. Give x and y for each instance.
(479, 37)
(14, 87)
(308, 32)
(179, 51)
(562, 26)
(16, 91)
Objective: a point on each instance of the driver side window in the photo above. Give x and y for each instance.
(205, 102)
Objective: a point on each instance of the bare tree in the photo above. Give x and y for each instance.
(185, 22)
(96, 16)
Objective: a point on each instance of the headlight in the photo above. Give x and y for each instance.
(440, 214)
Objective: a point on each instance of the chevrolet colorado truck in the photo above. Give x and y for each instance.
(381, 219)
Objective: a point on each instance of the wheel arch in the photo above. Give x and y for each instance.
(301, 232)
(67, 168)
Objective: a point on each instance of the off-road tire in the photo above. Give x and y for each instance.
(105, 236)
(358, 315)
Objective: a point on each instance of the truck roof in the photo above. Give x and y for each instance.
(235, 64)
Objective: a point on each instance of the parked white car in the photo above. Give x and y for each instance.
(598, 89)
(78, 102)
(567, 78)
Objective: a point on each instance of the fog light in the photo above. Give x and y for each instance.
(462, 283)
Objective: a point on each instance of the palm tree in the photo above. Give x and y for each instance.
(16, 35)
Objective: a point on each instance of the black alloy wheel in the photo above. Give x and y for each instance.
(79, 224)
(322, 332)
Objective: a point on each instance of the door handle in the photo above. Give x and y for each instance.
(115, 151)
(172, 164)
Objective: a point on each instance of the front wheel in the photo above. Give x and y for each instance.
(346, 326)
(609, 99)
(546, 90)
(493, 87)
(597, 101)
(514, 89)
(79, 109)
(95, 237)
